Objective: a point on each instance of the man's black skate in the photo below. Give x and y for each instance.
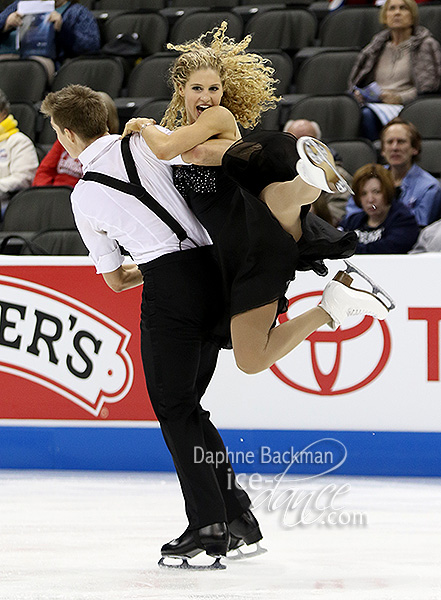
(244, 530)
(212, 539)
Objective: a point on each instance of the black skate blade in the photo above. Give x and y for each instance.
(376, 289)
(241, 555)
(215, 566)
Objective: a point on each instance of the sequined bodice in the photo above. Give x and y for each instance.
(200, 180)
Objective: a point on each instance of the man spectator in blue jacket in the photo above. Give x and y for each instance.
(415, 188)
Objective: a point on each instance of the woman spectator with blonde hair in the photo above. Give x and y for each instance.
(386, 226)
(399, 64)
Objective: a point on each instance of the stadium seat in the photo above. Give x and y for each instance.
(150, 76)
(283, 67)
(23, 80)
(192, 25)
(129, 5)
(40, 208)
(152, 29)
(352, 27)
(355, 153)
(325, 73)
(338, 115)
(56, 242)
(287, 30)
(101, 73)
(425, 114)
(430, 17)
(154, 109)
(430, 157)
(203, 3)
(46, 136)
(34, 210)
(26, 115)
(90, 4)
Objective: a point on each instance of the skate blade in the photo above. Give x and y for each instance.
(317, 154)
(215, 566)
(376, 289)
(240, 555)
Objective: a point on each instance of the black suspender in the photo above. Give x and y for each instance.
(135, 188)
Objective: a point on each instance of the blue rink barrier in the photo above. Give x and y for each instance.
(363, 453)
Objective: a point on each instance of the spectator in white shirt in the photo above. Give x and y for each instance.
(18, 157)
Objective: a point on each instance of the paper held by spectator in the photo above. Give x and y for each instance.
(36, 35)
(35, 7)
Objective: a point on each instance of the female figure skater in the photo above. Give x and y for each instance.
(255, 208)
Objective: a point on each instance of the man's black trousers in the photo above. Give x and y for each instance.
(181, 302)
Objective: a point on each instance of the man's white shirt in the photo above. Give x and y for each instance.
(106, 217)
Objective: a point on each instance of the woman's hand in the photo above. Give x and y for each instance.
(134, 125)
(390, 98)
(56, 19)
(13, 21)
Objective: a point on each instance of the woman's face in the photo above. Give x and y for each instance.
(398, 15)
(202, 90)
(372, 199)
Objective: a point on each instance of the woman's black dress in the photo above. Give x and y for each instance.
(258, 258)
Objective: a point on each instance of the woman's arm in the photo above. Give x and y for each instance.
(216, 121)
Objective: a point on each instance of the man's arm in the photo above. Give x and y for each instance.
(208, 154)
(124, 278)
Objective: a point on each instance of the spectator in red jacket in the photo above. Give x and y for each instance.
(58, 167)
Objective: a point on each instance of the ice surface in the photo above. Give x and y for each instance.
(96, 536)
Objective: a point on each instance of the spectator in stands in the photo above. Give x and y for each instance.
(384, 226)
(330, 207)
(415, 187)
(429, 239)
(58, 167)
(76, 33)
(399, 63)
(18, 157)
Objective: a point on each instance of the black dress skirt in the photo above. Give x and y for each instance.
(257, 257)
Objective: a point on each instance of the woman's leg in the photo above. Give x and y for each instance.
(285, 201)
(257, 345)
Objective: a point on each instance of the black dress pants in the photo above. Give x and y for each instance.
(181, 303)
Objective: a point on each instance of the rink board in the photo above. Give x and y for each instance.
(364, 400)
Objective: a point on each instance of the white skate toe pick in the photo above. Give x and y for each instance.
(340, 300)
(317, 167)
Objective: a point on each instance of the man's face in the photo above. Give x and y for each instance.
(396, 146)
(69, 141)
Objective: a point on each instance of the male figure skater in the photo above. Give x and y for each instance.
(181, 302)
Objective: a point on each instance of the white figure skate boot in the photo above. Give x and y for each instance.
(317, 167)
(340, 300)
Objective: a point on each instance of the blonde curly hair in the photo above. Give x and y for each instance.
(247, 79)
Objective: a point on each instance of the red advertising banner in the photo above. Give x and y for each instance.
(69, 346)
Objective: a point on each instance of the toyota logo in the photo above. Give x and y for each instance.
(327, 382)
